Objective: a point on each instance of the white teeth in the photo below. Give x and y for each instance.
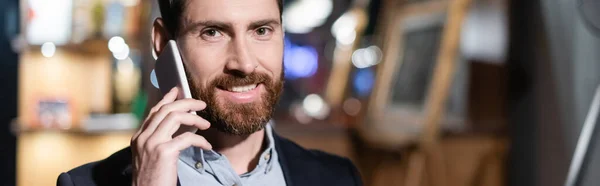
(244, 88)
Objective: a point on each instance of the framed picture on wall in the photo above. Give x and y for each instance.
(395, 114)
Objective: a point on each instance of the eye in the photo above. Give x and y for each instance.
(211, 34)
(263, 33)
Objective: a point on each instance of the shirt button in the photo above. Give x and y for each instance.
(199, 165)
(268, 156)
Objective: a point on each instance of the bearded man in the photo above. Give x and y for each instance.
(233, 54)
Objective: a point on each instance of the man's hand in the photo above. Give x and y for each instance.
(155, 150)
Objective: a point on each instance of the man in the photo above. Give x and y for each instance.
(233, 51)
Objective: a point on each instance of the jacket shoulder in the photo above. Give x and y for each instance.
(114, 170)
(341, 169)
(294, 150)
(326, 168)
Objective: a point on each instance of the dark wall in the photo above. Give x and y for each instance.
(9, 19)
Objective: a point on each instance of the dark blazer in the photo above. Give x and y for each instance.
(300, 167)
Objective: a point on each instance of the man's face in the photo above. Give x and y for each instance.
(233, 52)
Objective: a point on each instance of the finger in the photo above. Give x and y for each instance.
(167, 98)
(186, 140)
(138, 136)
(174, 120)
(134, 138)
(153, 121)
(184, 105)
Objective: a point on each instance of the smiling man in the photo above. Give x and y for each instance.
(232, 51)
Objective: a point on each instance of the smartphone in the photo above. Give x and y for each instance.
(170, 71)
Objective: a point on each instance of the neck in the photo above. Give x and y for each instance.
(243, 152)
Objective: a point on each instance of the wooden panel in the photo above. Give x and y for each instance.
(83, 82)
(42, 156)
(470, 161)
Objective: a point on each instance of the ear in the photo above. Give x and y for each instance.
(160, 36)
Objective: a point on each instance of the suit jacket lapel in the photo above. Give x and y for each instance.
(295, 163)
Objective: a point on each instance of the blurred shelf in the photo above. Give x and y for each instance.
(95, 124)
(43, 155)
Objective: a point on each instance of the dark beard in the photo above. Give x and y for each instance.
(234, 118)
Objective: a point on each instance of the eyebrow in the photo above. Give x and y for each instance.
(193, 25)
(259, 23)
(228, 26)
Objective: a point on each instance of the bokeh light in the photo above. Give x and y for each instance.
(300, 61)
(116, 44)
(48, 49)
(343, 29)
(366, 57)
(363, 81)
(123, 53)
(304, 15)
(352, 106)
(315, 106)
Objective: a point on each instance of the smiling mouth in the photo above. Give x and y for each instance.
(239, 89)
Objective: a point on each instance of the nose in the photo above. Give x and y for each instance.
(242, 61)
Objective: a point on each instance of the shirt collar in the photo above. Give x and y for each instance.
(192, 156)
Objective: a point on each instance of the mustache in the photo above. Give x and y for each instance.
(228, 80)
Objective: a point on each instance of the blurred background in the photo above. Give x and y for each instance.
(414, 92)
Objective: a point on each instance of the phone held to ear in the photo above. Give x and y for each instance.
(170, 71)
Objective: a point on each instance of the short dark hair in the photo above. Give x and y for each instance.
(171, 11)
